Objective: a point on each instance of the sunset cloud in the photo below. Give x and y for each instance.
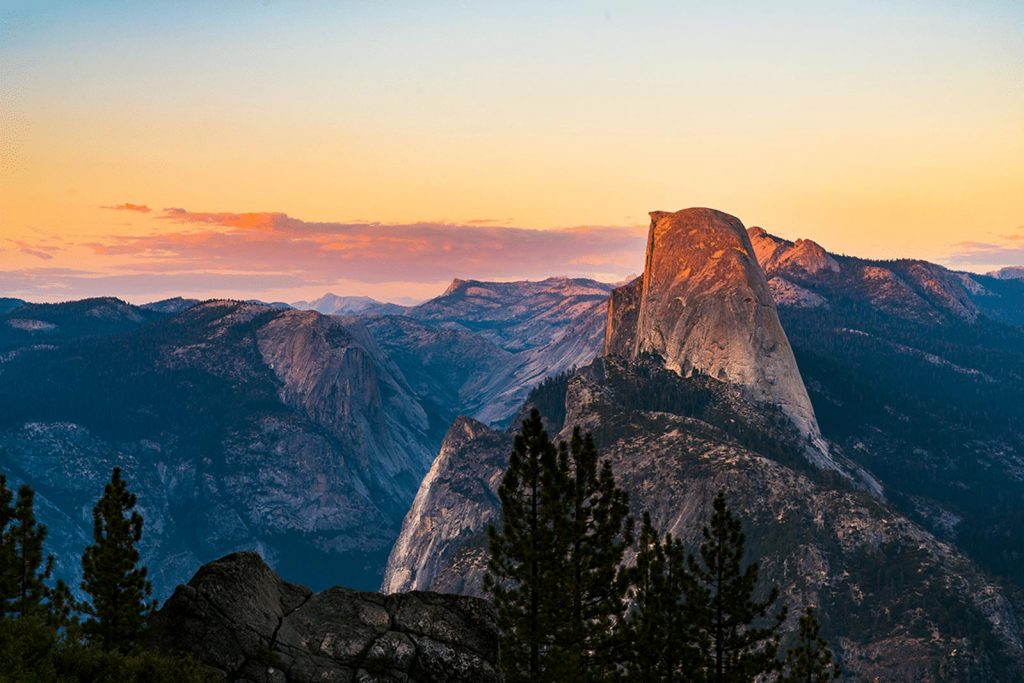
(376, 252)
(1007, 251)
(257, 252)
(141, 208)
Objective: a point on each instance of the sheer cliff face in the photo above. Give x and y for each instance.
(443, 537)
(705, 306)
(623, 309)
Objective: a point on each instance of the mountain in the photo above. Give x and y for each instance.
(332, 304)
(1008, 273)
(173, 305)
(546, 327)
(35, 324)
(8, 304)
(240, 426)
(804, 274)
(704, 306)
(243, 622)
(245, 426)
(897, 601)
(914, 372)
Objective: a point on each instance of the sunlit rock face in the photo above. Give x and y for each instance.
(623, 309)
(777, 254)
(705, 306)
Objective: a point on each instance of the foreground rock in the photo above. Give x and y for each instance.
(245, 623)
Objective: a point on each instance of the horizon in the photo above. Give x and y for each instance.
(382, 150)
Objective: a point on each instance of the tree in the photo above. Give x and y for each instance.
(594, 532)
(8, 553)
(117, 586)
(555, 566)
(810, 660)
(662, 641)
(524, 564)
(31, 570)
(724, 608)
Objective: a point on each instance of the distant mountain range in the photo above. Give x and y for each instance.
(1009, 273)
(332, 304)
(866, 416)
(252, 426)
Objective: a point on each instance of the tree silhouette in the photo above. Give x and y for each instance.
(725, 609)
(117, 586)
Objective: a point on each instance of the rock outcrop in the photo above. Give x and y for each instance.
(778, 255)
(705, 306)
(244, 623)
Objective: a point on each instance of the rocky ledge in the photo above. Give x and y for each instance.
(245, 623)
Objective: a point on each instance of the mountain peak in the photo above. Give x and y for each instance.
(704, 305)
(455, 286)
(780, 255)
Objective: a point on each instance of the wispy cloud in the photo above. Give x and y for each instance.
(257, 252)
(128, 206)
(1008, 250)
(376, 252)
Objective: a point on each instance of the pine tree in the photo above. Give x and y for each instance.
(28, 572)
(810, 660)
(117, 586)
(595, 531)
(734, 649)
(660, 632)
(524, 565)
(8, 553)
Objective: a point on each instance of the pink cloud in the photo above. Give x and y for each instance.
(1008, 251)
(141, 208)
(375, 252)
(258, 252)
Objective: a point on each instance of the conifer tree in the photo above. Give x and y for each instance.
(524, 565)
(8, 554)
(660, 632)
(809, 660)
(595, 531)
(734, 647)
(31, 570)
(117, 586)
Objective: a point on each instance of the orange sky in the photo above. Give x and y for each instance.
(880, 131)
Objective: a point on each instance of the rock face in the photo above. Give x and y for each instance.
(546, 328)
(778, 255)
(896, 603)
(623, 311)
(705, 306)
(440, 545)
(244, 623)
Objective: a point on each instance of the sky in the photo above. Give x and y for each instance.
(280, 150)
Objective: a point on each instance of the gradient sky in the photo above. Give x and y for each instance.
(284, 149)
